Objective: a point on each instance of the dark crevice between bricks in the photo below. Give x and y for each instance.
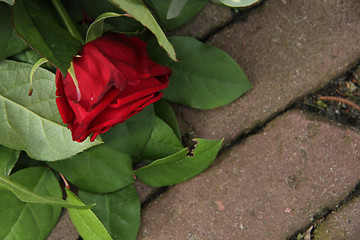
(154, 196)
(299, 105)
(322, 215)
(345, 87)
(225, 148)
(296, 105)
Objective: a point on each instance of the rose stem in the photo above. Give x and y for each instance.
(342, 100)
(66, 19)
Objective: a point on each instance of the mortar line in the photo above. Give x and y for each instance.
(324, 213)
(255, 130)
(320, 217)
(258, 129)
(296, 104)
(242, 137)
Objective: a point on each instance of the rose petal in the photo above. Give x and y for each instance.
(116, 81)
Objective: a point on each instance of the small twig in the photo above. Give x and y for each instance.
(340, 93)
(342, 100)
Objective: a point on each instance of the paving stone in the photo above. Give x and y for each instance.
(64, 229)
(266, 187)
(287, 49)
(341, 225)
(211, 18)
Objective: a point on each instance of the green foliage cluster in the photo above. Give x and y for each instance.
(35, 146)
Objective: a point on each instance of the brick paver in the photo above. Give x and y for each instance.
(287, 49)
(344, 224)
(64, 229)
(267, 187)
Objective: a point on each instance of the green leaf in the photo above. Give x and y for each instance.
(205, 77)
(164, 111)
(37, 27)
(176, 6)
(8, 158)
(118, 211)
(10, 42)
(238, 3)
(30, 56)
(33, 124)
(94, 8)
(85, 221)
(131, 136)
(190, 10)
(10, 2)
(96, 29)
(180, 166)
(98, 169)
(38, 63)
(138, 10)
(33, 70)
(163, 141)
(29, 221)
(28, 196)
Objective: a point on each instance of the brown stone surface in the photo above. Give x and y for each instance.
(341, 225)
(64, 229)
(267, 187)
(287, 49)
(211, 18)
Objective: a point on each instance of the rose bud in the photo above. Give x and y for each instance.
(115, 79)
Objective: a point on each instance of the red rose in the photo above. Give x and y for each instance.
(116, 79)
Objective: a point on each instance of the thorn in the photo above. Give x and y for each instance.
(65, 182)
